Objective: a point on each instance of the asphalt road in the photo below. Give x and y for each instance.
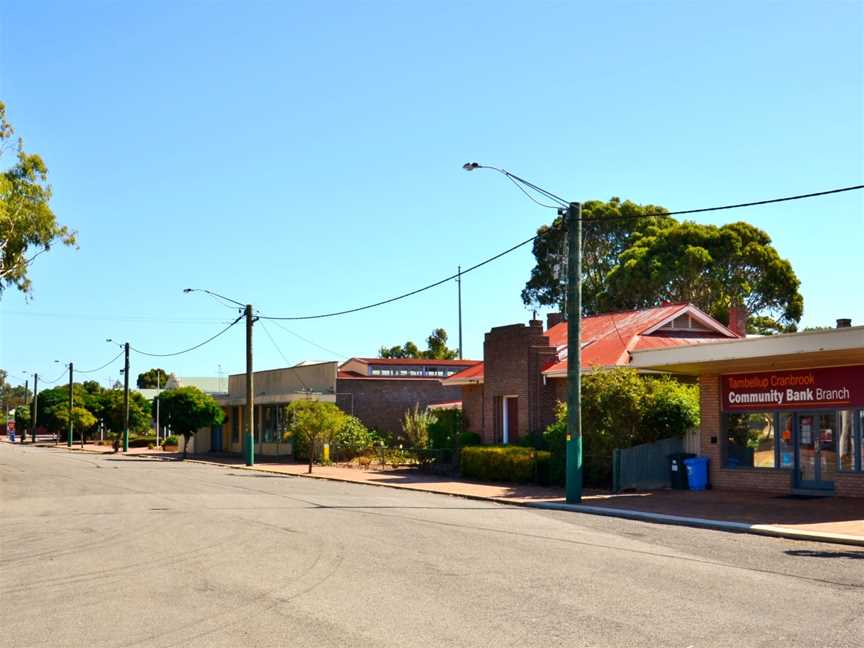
(111, 551)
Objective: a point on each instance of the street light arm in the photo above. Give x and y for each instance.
(214, 294)
(516, 180)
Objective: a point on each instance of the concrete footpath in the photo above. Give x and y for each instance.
(829, 519)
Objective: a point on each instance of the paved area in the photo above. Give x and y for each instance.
(840, 518)
(101, 550)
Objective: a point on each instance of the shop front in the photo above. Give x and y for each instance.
(780, 414)
(808, 420)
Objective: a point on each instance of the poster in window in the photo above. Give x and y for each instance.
(806, 430)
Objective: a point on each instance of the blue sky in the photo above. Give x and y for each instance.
(306, 157)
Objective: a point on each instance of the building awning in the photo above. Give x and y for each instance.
(276, 399)
(834, 347)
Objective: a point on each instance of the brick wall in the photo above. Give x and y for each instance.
(849, 484)
(513, 358)
(755, 479)
(382, 402)
(472, 407)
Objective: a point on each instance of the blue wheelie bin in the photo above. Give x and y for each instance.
(697, 473)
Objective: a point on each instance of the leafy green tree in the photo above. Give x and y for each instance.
(152, 379)
(715, 268)
(313, 423)
(110, 410)
(11, 395)
(669, 409)
(82, 419)
(607, 230)
(436, 348)
(28, 226)
(22, 419)
(189, 409)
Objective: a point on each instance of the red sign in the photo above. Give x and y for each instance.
(831, 388)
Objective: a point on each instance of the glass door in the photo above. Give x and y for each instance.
(816, 458)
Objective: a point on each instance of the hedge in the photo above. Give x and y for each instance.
(504, 463)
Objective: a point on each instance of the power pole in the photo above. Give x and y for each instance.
(158, 393)
(126, 398)
(573, 480)
(34, 417)
(459, 282)
(23, 433)
(69, 431)
(249, 439)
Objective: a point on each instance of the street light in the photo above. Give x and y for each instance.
(248, 436)
(572, 211)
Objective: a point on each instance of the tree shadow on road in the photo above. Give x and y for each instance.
(810, 553)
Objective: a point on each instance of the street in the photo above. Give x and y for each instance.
(102, 550)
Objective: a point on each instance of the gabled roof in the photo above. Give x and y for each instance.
(608, 339)
(470, 376)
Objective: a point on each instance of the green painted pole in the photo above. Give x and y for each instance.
(573, 479)
(249, 439)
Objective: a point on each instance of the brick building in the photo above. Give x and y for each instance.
(780, 414)
(524, 370)
(379, 391)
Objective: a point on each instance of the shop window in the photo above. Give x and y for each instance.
(270, 433)
(786, 440)
(235, 425)
(750, 440)
(845, 440)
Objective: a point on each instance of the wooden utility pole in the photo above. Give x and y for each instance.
(34, 416)
(69, 427)
(126, 398)
(248, 437)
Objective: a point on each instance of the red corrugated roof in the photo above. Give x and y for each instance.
(473, 374)
(607, 338)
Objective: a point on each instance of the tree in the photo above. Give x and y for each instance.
(436, 348)
(152, 379)
(607, 230)
(313, 423)
(110, 409)
(11, 396)
(82, 419)
(715, 268)
(415, 426)
(189, 409)
(28, 226)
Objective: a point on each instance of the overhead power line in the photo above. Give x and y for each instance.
(297, 372)
(51, 382)
(308, 341)
(197, 346)
(533, 238)
(89, 371)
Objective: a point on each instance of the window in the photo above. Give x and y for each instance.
(787, 440)
(269, 430)
(235, 425)
(845, 440)
(750, 440)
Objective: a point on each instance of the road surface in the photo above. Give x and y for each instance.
(111, 551)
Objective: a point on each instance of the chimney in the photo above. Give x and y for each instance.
(844, 323)
(553, 318)
(738, 320)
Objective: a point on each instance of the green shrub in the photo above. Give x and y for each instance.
(350, 440)
(501, 463)
(670, 409)
(445, 428)
(470, 439)
(171, 441)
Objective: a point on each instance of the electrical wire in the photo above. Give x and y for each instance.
(197, 346)
(404, 295)
(308, 341)
(285, 359)
(51, 382)
(89, 371)
(533, 238)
